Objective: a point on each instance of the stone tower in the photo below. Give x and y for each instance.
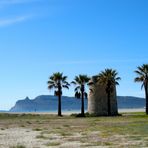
(97, 100)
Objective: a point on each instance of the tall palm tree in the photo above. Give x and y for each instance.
(109, 79)
(57, 81)
(80, 81)
(142, 72)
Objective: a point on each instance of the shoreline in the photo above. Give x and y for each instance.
(131, 110)
(75, 111)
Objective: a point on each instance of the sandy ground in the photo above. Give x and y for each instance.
(14, 137)
(29, 138)
(73, 112)
(132, 110)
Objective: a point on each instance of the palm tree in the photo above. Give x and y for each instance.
(57, 81)
(142, 72)
(77, 95)
(80, 81)
(109, 79)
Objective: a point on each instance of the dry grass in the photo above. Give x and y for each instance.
(128, 130)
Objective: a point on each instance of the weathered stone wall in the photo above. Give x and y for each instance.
(97, 100)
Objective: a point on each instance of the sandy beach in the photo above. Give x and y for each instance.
(131, 110)
(76, 112)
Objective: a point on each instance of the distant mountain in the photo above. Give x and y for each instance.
(49, 103)
(46, 103)
(2, 111)
(130, 102)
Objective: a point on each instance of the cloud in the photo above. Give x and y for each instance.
(6, 22)
(74, 62)
(15, 1)
(85, 62)
(5, 3)
(9, 20)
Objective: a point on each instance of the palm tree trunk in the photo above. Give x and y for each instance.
(146, 97)
(59, 101)
(82, 104)
(59, 105)
(82, 107)
(108, 103)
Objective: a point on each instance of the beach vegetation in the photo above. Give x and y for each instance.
(41, 137)
(90, 131)
(142, 76)
(52, 144)
(80, 82)
(108, 78)
(18, 146)
(58, 81)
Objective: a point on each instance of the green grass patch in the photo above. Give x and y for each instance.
(52, 144)
(18, 146)
(64, 133)
(37, 129)
(41, 137)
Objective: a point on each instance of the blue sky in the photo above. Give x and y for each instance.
(39, 37)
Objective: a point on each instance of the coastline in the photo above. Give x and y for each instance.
(124, 110)
(131, 110)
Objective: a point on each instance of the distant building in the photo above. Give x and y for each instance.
(97, 100)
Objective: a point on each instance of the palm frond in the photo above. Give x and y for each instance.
(51, 86)
(50, 82)
(77, 88)
(65, 86)
(73, 82)
(138, 72)
(108, 77)
(66, 83)
(142, 72)
(81, 79)
(57, 80)
(139, 79)
(77, 94)
(142, 85)
(90, 83)
(116, 83)
(118, 78)
(64, 78)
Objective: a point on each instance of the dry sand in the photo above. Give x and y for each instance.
(76, 112)
(131, 110)
(14, 137)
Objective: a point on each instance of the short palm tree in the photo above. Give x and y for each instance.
(57, 81)
(108, 78)
(80, 81)
(142, 72)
